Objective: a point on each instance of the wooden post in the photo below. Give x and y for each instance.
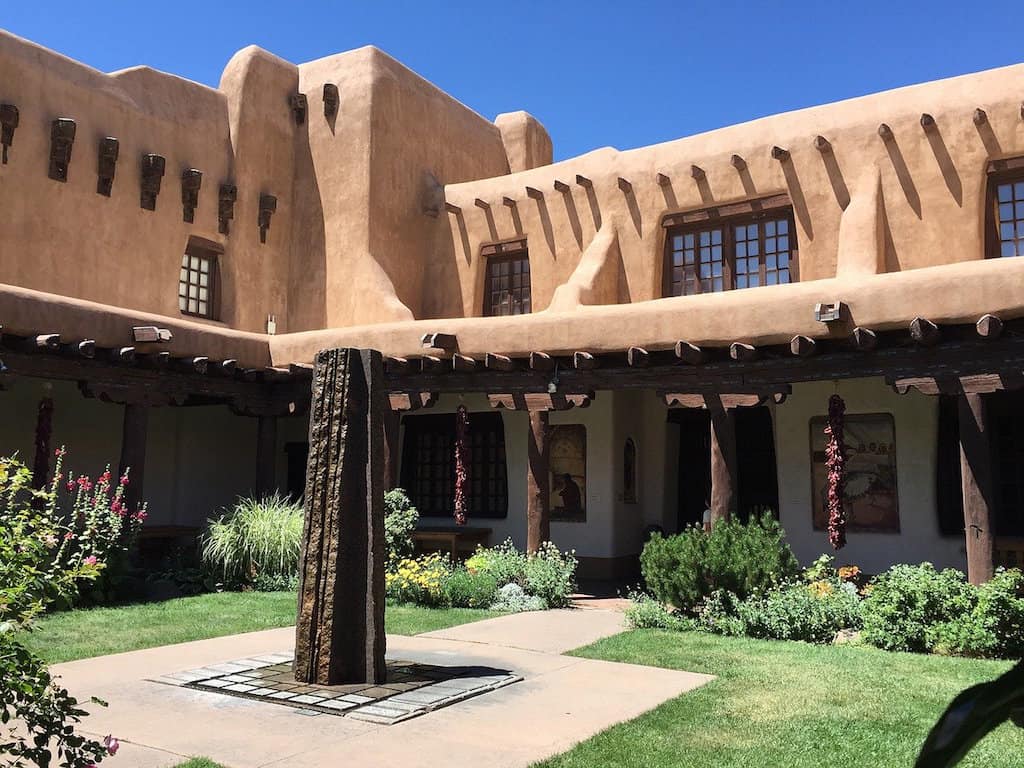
(723, 462)
(339, 635)
(133, 451)
(266, 455)
(391, 423)
(976, 479)
(538, 482)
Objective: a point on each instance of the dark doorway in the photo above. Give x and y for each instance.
(758, 487)
(297, 454)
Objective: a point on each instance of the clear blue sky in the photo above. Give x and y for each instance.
(595, 73)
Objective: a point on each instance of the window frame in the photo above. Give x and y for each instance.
(496, 254)
(1008, 171)
(727, 218)
(212, 252)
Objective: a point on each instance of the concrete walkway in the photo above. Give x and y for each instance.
(561, 701)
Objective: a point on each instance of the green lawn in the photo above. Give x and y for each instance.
(789, 705)
(99, 631)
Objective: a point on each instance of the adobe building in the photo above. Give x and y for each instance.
(638, 335)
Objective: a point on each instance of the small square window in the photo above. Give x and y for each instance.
(197, 281)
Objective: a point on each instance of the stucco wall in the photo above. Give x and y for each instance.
(916, 423)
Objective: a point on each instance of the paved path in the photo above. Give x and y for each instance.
(561, 701)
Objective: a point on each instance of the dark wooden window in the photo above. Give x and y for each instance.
(507, 287)
(197, 281)
(1009, 217)
(428, 464)
(739, 246)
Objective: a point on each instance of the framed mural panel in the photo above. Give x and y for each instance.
(871, 498)
(568, 470)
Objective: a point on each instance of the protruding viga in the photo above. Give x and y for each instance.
(339, 636)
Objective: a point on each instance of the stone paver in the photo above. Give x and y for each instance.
(560, 701)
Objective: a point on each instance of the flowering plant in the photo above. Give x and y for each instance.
(461, 463)
(835, 462)
(418, 580)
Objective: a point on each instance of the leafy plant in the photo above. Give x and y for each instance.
(745, 559)
(513, 599)
(418, 580)
(812, 613)
(504, 562)
(906, 604)
(644, 612)
(994, 627)
(551, 575)
(720, 614)
(257, 538)
(464, 589)
(400, 519)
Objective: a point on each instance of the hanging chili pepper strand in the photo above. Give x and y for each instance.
(461, 463)
(835, 462)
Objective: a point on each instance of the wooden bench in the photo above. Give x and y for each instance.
(456, 540)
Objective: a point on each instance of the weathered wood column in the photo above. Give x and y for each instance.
(976, 479)
(266, 454)
(723, 461)
(134, 430)
(339, 635)
(538, 482)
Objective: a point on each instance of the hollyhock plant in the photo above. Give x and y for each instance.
(461, 463)
(835, 463)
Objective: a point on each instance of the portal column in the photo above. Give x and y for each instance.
(723, 461)
(976, 480)
(134, 430)
(538, 482)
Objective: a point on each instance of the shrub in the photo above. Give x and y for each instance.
(720, 614)
(400, 519)
(644, 612)
(418, 580)
(905, 605)
(995, 626)
(504, 562)
(812, 613)
(683, 570)
(551, 575)
(256, 539)
(470, 590)
(512, 599)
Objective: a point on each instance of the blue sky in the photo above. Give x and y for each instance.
(595, 73)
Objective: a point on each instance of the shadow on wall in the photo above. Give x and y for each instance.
(942, 157)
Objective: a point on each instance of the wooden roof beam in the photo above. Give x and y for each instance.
(638, 357)
(742, 352)
(690, 353)
(464, 364)
(432, 364)
(540, 401)
(198, 364)
(411, 401)
(803, 346)
(541, 361)
(397, 365)
(924, 332)
(584, 361)
(85, 348)
(989, 327)
(496, 362)
(863, 339)
(445, 341)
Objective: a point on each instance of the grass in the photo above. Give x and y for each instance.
(198, 762)
(787, 704)
(98, 631)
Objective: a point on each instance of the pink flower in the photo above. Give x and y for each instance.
(111, 744)
(105, 477)
(140, 515)
(124, 479)
(71, 485)
(91, 560)
(59, 452)
(69, 536)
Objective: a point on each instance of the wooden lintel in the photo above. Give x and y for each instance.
(561, 186)
(663, 179)
(690, 400)
(989, 326)
(689, 353)
(464, 364)
(129, 394)
(397, 365)
(498, 362)
(583, 181)
(863, 339)
(411, 401)
(508, 202)
(541, 361)
(638, 357)
(540, 401)
(445, 341)
(584, 361)
(482, 204)
(924, 331)
(534, 193)
(432, 364)
(741, 351)
(803, 346)
(980, 384)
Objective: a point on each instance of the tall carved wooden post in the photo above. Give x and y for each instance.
(339, 636)
(723, 461)
(134, 430)
(976, 479)
(538, 482)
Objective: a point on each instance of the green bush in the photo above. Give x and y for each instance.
(720, 614)
(811, 613)
(994, 627)
(906, 604)
(683, 570)
(256, 539)
(551, 575)
(470, 590)
(512, 599)
(644, 612)
(400, 519)
(504, 562)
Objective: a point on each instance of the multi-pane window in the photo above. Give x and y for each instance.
(741, 252)
(1010, 217)
(197, 282)
(507, 286)
(428, 465)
